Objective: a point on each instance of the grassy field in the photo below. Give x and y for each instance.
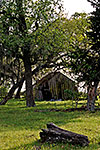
(20, 126)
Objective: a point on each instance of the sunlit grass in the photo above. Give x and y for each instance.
(20, 126)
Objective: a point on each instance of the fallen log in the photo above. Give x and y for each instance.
(55, 134)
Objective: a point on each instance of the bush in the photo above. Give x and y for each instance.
(71, 94)
(3, 91)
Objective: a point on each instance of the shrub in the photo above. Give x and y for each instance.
(71, 94)
(3, 91)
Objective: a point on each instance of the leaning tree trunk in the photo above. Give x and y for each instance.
(15, 86)
(11, 92)
(19, 90)
(28, 78)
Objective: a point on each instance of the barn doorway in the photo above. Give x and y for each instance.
(46, 93)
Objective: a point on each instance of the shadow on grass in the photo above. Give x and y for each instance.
(16, 115)
(33, 146)
(37, 145)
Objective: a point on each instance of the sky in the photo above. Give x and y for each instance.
(73, 6)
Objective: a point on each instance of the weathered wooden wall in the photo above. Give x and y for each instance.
(55, 83)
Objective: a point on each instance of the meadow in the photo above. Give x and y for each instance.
(20, 126)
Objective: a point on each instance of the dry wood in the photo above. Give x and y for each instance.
(55, 134)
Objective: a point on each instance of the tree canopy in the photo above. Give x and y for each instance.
(29, 32)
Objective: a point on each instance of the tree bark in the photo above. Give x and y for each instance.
(55, 134)
(28, 78)
(19, 90)
(92, 97)
(11, 92)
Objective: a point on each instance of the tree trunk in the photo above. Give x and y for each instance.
(19, 90)
(11, 92)
(88, 99)
(55, 134)
(92, 97)
(28, 78)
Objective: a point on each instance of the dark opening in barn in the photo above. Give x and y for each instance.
(46, 92)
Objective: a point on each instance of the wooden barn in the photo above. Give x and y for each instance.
(52, 86)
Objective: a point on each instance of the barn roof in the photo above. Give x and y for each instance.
(51, 75)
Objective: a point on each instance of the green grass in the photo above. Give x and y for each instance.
(20, 126)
